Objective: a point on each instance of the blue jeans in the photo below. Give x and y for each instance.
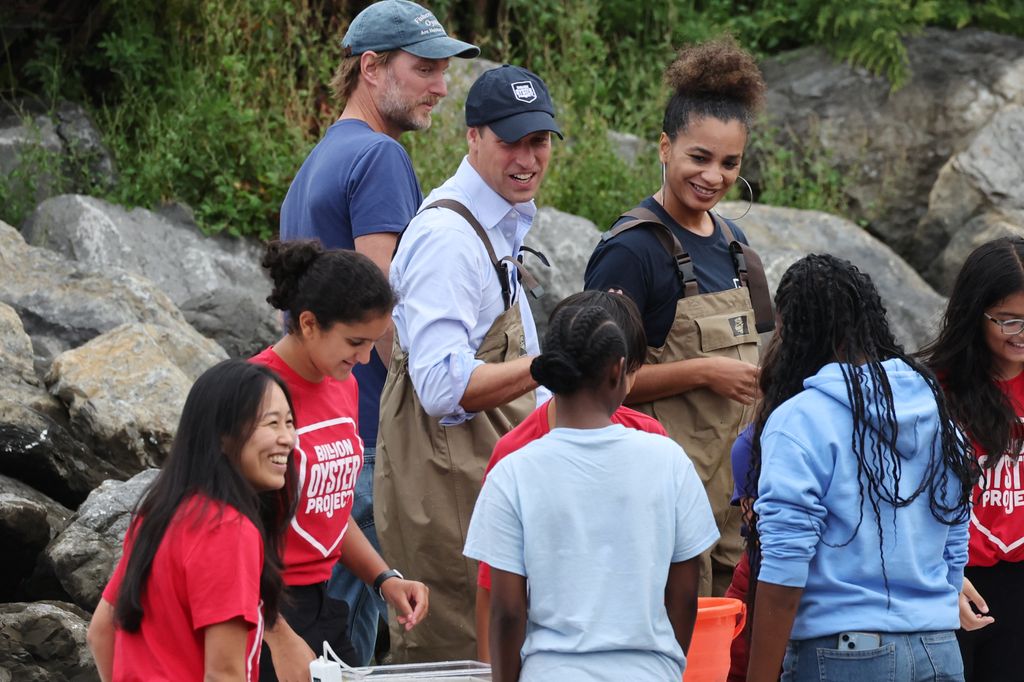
(902, 657)
(364, 606)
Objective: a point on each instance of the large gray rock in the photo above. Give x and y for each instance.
(30, 153)
(783, 235)
(45, 642)
(981, 228)
(45, 152)
(83, 146)
(126, 388)
(64, 304)
(191, 268)
(83, 556)
(29, 520)
(36, 449)
(567, 241)
(892, 145)
(980, 191)
(18, 381)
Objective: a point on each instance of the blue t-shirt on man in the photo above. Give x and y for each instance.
(637, 263)
(355, 182)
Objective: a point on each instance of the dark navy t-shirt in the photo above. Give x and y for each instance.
(637, 262)
(355, 182)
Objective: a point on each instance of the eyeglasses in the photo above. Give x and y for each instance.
(1008, 327)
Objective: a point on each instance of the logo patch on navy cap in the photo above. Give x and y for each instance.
(524, 91)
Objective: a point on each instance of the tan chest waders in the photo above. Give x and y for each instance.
(705, 424)
(427, 479)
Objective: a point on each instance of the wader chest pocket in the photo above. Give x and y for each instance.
(726, 330)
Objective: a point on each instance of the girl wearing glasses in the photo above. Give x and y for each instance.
(979, 356)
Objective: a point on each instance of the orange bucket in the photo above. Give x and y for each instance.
(719, 621)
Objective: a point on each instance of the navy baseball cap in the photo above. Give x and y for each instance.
(402, 25)
(511, 101)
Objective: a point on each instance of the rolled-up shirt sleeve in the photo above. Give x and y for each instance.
(790, 513)
(439, 274)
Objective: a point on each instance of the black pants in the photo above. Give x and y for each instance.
(992, 654)
(316, 618)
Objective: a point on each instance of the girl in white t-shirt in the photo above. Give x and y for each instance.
(601, 525)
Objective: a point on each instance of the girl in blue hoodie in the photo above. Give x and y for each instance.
(863, 494)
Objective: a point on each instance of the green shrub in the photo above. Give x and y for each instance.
(218, 103)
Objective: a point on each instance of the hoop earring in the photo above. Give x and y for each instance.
(663, 176)
(750, 200)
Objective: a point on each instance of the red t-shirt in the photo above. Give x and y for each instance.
(997, 518)
(330, 455)
(206, 571)
(535, 426)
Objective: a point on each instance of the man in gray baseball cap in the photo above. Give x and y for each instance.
(357, 190)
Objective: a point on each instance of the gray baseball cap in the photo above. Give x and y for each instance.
(402, 25)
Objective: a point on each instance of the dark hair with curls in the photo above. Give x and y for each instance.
(219, 416)
(717, 79)
(580, 345)
(831, 312)
(991, 273)
(336, 285)
(623, 312)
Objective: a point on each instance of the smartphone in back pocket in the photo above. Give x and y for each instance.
(850, 641)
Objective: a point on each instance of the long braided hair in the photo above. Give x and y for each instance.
(831, 312)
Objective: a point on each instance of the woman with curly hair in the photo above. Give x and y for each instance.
(979, 356)
(863, 494)
(338, 303)
(695, 280)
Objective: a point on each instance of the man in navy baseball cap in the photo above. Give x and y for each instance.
(464, 325)
(511, 101)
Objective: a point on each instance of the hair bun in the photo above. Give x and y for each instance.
(717, 69)
(557, 371)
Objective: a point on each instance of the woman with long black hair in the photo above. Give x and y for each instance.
(979, 356)
(200, 573)
(863, 494)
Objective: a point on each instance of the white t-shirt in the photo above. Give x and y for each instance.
(593, 518)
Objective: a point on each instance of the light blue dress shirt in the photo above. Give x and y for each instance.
(448, 292)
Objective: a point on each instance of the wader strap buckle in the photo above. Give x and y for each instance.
(684, 264)
(750, 272)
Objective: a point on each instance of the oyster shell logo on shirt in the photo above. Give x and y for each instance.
(524, 91)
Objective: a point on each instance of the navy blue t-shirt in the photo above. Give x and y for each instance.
(355, 182)
(638, 263)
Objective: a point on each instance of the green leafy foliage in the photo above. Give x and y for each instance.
(218, 103)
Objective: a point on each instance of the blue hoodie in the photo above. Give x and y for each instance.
(809, 504)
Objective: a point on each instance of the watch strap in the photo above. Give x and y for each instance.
(379, 580)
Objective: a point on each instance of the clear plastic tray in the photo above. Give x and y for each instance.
(445, 671)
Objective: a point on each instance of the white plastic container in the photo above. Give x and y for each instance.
(445, 671)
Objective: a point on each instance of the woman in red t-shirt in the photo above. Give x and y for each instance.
(338, 304)
(625, 314)
(979, 356)
(200, 569)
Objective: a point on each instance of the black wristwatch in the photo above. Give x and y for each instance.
(379, 581)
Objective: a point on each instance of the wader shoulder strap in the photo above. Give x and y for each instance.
(534, 287)
(684, 264)
(750, 272)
